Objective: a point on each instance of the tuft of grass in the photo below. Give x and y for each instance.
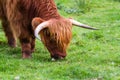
(83, 5)
(79, 6)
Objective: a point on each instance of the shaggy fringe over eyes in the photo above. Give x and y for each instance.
(60, 31)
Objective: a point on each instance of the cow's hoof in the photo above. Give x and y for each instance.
(13, 46)
(26, 56)
(60, 58)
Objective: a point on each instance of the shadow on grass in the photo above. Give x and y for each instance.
(44, 57)
(40, 55)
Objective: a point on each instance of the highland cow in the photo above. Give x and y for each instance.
(27, 19)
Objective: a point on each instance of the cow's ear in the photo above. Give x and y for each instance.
(36, 21)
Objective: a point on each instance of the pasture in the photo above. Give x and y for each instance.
(92, 55)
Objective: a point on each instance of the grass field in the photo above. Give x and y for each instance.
(92, 55)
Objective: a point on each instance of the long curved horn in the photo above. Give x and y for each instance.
(76, 23)
(39, 28)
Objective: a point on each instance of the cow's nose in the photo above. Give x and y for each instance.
(57, 57)
(54, 59)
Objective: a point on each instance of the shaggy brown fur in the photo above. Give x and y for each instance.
(57, 37)
(16, 16)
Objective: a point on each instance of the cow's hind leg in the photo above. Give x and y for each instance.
(8, 32)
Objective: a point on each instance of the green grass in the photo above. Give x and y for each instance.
(92, 55)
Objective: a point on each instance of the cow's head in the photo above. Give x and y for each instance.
(55, 34)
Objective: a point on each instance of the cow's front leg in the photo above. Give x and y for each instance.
(33, 44)
(26, 48)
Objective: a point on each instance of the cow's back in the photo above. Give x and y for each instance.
(8, 8)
